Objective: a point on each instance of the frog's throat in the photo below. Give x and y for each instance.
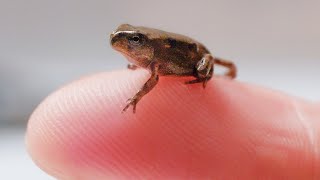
(131, 59)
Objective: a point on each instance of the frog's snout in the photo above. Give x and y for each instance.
(115, 37)
(112, 38)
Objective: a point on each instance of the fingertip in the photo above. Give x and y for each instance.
(68, 116)
(81, 122)
(178, 130)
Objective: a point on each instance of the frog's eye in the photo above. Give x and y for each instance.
(135, 40)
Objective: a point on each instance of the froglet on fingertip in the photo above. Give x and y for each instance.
(163, 54)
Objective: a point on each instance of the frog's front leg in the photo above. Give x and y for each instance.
(132, 66)
(146, 88)
(204, 70)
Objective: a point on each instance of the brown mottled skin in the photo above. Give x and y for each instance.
(165, 53)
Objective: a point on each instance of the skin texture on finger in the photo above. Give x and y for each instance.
(230, 130)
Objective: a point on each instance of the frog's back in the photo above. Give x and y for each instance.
(164, 36)
(177, 53)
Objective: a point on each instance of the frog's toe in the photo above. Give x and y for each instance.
(204, 84)
(130, 102)
(194, 81)
(199, 80)
(125, 108)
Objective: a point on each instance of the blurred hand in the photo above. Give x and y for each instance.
(230, 130)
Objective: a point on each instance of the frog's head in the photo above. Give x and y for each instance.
(133, 43)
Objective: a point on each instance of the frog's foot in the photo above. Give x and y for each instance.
(132, 66)
(203, 81)
(131, 102)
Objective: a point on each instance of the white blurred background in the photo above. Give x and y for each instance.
(45, 44)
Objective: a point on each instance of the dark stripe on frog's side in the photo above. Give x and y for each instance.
(176, 57)
(172, 43)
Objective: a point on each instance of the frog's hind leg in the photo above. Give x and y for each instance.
(232, 69)
(203, 70)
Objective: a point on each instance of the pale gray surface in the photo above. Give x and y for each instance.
(15, 164)
(45, 44)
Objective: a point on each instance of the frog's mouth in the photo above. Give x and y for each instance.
(122, 51)
(120, 48)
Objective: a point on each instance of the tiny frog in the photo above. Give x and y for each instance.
(163, 54)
